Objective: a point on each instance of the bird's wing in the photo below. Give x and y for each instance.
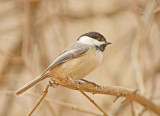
(72, 52)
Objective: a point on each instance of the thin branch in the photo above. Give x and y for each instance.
(94, 103)
(129, 94)
(69, 105)
(132, 108)
(40, 100)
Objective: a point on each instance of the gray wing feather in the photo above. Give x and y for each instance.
(71, 52)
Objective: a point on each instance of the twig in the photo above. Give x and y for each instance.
(132, 108)
(40, 100)
(129, 94)
(93, 103)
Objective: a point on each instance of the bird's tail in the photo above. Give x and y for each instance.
(33, 82)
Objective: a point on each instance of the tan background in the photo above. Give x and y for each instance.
(34, 32)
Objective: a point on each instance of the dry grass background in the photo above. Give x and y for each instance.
(34, 32)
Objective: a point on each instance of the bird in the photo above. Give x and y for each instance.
(78, 60)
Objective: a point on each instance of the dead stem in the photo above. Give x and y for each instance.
(132, 108)
(94, 103)
(40, 100)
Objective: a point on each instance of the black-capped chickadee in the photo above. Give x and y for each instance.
(76, 61)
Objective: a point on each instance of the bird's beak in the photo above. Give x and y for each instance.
(109, 43)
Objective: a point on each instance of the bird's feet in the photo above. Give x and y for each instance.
(53, 83)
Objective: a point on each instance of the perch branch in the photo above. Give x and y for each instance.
(129, 94)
